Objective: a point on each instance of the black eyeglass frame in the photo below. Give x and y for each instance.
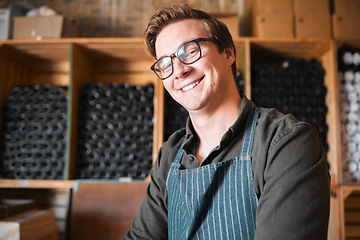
(175, 54)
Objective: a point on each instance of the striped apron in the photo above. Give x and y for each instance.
(214, 201)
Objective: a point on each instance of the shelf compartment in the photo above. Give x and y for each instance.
(37, 67)
(349, 103)
(275, 51)
(117, 62)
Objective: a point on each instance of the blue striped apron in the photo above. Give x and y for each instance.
(214, 201)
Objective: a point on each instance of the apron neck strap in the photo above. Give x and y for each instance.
(246, 148)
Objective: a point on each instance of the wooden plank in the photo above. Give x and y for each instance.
(117, 65)
(9, 230)
(158, 116)
(124, 50)
(352, 216)
(284, 47)
(328, 62)
(45, 184)
(45, 51)
(352, 203)
(104, 210)
(35, 225)
(342, 212)
(248, 69)
(334, 219)
(82, 71)
(352, 231)
(46, 66)
(349, 228)
(60, 79)
(130, 78)
(57, 200)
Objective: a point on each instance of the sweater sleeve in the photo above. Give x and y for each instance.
(151, 220)
(294, 197)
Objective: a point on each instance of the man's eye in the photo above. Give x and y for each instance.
(192, 52)
(165, 64)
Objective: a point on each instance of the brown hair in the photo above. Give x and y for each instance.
(215, 28)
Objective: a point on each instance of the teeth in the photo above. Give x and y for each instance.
(188, 87)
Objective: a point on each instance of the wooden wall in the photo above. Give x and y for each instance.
(122, 18)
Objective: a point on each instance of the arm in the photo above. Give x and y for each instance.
(151, 220)
(295, 189)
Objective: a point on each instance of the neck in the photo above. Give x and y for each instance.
(211, 126)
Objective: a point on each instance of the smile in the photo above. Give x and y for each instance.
(191, 86)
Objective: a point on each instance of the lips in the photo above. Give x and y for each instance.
(191, 86)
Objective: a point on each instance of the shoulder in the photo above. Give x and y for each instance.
(284, 148)
(169, 150)
(283, 144)
(274, 127)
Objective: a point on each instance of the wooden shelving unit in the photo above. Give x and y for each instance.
(72, 62)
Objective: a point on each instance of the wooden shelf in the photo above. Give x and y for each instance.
(46, 184)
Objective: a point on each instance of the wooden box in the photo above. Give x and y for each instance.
(312, 19)
(345, 26)
(43, 27)
(273, 25)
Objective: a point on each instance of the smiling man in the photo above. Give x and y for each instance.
(236, 171)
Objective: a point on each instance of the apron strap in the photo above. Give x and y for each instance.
(246, 148)
(180, 152)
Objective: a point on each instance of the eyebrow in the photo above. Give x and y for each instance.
(176, 49)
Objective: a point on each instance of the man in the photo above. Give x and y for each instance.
(237, 171)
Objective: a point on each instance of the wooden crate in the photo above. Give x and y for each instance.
(324, 51)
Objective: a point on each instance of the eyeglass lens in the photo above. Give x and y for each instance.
(187, 54)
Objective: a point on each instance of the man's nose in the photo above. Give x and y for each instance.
(180, 69)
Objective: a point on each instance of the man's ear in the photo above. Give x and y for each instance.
(230, 54)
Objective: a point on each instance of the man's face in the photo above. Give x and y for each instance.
(200, 86)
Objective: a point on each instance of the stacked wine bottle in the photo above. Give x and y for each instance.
(115, 131)
(349, 97)
(34, 133)
(293, 86)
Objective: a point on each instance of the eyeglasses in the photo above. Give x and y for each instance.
(187, 53)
